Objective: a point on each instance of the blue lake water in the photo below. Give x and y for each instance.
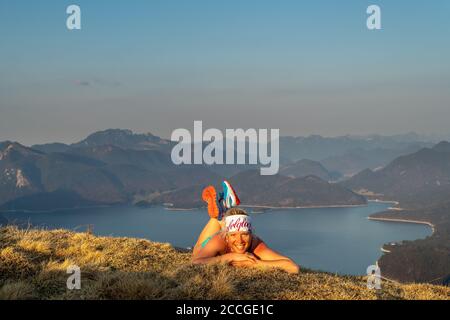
(340, 240)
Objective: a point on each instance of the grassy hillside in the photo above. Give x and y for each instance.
(33, 265)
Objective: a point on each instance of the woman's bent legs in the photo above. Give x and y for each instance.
(211, 228)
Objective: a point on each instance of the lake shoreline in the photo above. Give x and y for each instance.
(299, 207)
(306, 207)
(385, 251)
(170, 208)
(62, 209)
(432, 226)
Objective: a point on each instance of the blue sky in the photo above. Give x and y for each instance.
(306, 68)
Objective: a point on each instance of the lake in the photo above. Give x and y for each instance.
(339, 240)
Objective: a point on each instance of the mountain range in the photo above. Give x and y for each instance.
(89, 173)
(117, 166)
(271, 191)
(348, 155)
(306, 167)
(342, 156)
(419, 179)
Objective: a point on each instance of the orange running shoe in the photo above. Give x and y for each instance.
(209, 195)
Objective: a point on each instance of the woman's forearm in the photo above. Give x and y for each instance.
(285, 264)
(216, 259)
(207, 260)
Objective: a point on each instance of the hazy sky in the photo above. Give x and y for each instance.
(154, 66)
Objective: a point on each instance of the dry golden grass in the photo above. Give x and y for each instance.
(33, 265)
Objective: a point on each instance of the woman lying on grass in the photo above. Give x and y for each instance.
(231, 240)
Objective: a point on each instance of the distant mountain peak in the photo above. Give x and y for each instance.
(443, 146)
(9, 144)
(313, 178)
(9, 148)
(122, 138)
(119, 132)
(109, 133)
(305, 167)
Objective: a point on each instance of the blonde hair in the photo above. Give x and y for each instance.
(234, 211)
